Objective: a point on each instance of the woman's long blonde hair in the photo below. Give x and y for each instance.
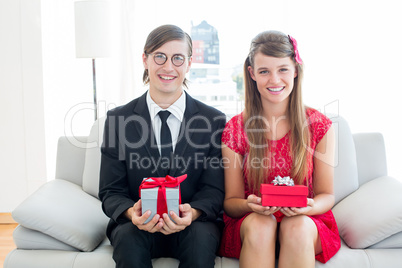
(275, 44)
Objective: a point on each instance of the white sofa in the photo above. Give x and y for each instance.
(62, 225)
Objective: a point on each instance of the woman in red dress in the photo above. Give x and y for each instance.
(277, 135)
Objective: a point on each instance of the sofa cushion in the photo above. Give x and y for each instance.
(20, 258)
(345, 172)
(390, 258)
(62, 210)
(70, 158)
(371, 160)
(370, 214)
(90, 179)
(346, 258)
(25, 238)
(394, 241)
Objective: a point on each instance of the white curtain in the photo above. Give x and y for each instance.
(120, 75)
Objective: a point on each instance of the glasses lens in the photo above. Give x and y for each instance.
(160, 58)
(178, 60)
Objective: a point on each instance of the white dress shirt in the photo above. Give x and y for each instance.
(174, 121)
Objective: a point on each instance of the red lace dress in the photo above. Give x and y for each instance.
(280, 163)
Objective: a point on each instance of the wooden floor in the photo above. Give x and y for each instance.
(7, 226)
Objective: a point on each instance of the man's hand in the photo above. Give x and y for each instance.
(188, 214)
(134, 214)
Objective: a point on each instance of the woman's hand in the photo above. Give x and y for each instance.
(254, 203)
(293, 211)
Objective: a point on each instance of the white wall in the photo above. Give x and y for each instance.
(22, 134)
(67, 80)
(65, 86)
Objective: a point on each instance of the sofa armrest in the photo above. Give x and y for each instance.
(370, 214)
(62, 210)
(370, 156)
(71, 159)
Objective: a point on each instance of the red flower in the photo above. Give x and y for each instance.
(297, 56)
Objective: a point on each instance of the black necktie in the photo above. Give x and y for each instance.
(166, 137)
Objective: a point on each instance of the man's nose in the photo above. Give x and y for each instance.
(168, 65)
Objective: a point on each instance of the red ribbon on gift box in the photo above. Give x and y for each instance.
(162, 183)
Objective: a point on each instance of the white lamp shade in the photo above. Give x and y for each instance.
(92, 29)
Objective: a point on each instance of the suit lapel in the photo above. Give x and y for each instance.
(150, 145)
(182, 145)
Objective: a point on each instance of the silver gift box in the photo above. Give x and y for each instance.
(149, 200)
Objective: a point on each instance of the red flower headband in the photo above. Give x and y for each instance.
(297, 56)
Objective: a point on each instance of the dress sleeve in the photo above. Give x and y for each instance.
(320, 124)
(234, 136)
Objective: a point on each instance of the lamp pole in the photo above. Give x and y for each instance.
(94, 88)
(92, 35)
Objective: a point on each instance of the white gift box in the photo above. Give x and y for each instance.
(149, 197)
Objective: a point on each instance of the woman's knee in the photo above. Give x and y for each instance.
(258, 228)
(298, 230)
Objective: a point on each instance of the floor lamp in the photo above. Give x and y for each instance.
(92, 34)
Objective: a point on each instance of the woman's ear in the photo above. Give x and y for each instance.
(251, 71)
(296, 73)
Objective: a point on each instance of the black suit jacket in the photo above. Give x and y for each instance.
(130, 153)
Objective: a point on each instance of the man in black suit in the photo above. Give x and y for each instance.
(142, 140)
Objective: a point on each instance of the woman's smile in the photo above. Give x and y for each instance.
(275, 90)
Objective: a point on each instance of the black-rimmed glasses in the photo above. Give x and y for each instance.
(160, 58)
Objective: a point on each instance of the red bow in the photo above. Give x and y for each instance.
(297, 55)
(162, 183)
